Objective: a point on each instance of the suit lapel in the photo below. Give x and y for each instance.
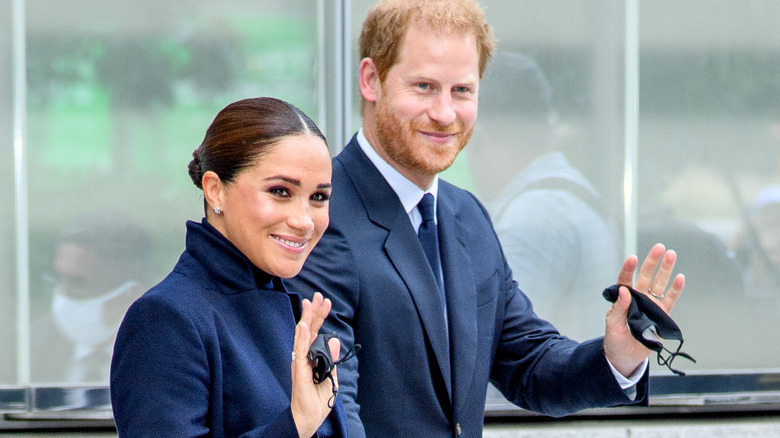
(405, 252)
(461, 292)
(402, 248)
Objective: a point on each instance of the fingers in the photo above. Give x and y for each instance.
(673, 294)
(618, 312)
(623, 351)
(313, 314)
(626, 275)
(302, 341)
(677, 287)
(309, 401)
(308, 409)
(662, 276)
(301, 370)
(649, 267)
(654, 276)
(306, 312)
(656, 270)
(320, 309)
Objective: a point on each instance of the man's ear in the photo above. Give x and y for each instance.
(368, 77)
(213, 189)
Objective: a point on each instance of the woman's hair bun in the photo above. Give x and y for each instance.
(196, 173)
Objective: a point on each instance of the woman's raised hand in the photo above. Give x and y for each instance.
(309, 401)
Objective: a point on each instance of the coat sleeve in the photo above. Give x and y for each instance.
(165, 377)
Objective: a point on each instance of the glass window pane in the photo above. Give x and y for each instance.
(119, 95)
(708, 170)
(547, 153)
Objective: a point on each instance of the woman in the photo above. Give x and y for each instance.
(207, 351)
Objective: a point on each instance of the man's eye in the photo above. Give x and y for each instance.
(462, 89)
(424, 86)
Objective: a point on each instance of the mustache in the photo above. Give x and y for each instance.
(453, 129)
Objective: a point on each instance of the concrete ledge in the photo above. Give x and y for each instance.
(764, 426)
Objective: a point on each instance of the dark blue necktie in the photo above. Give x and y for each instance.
(429, 237)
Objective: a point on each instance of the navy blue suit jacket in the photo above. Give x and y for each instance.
(416, 376)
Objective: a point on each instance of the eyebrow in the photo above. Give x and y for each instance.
(296, 182)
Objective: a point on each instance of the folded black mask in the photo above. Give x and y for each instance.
(649, 324)
(322, 363)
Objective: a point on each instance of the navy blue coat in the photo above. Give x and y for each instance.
(418, 377)
(207, 351)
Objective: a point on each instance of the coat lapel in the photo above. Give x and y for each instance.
(402, 248)
(461, 293)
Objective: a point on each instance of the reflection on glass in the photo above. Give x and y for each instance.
(117, 95)
(100, 267)
(559, 234)
(757, 245)
(708, 145)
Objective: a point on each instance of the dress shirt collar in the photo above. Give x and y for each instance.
(407, 191)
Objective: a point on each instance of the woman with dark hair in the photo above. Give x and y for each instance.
(207, 351)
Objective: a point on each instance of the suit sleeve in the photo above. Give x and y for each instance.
(540, 370)
(331, 270)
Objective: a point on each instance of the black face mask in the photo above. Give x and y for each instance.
(322, 363)
(649, 323)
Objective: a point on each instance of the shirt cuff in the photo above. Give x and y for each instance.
(628, 384)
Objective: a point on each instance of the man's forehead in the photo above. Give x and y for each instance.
(417, 42)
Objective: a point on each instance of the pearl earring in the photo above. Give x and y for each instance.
(217, 210)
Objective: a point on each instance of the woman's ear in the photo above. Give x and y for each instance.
(369, 80)
(213, 189)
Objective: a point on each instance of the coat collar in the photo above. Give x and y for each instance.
(230, 271)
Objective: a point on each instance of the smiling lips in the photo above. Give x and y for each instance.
(438, 137)
(290, 243)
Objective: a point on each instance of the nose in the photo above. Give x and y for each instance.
(442, 110)
(300, 218)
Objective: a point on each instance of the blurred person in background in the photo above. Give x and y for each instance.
(99, 269)
(757, 245)
(548, 216)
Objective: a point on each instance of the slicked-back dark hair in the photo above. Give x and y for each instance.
(242, 132)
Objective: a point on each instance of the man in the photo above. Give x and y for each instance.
(518, 169)
(425, 363)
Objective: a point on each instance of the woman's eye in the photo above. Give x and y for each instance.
(320, 197)
(279, 191)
